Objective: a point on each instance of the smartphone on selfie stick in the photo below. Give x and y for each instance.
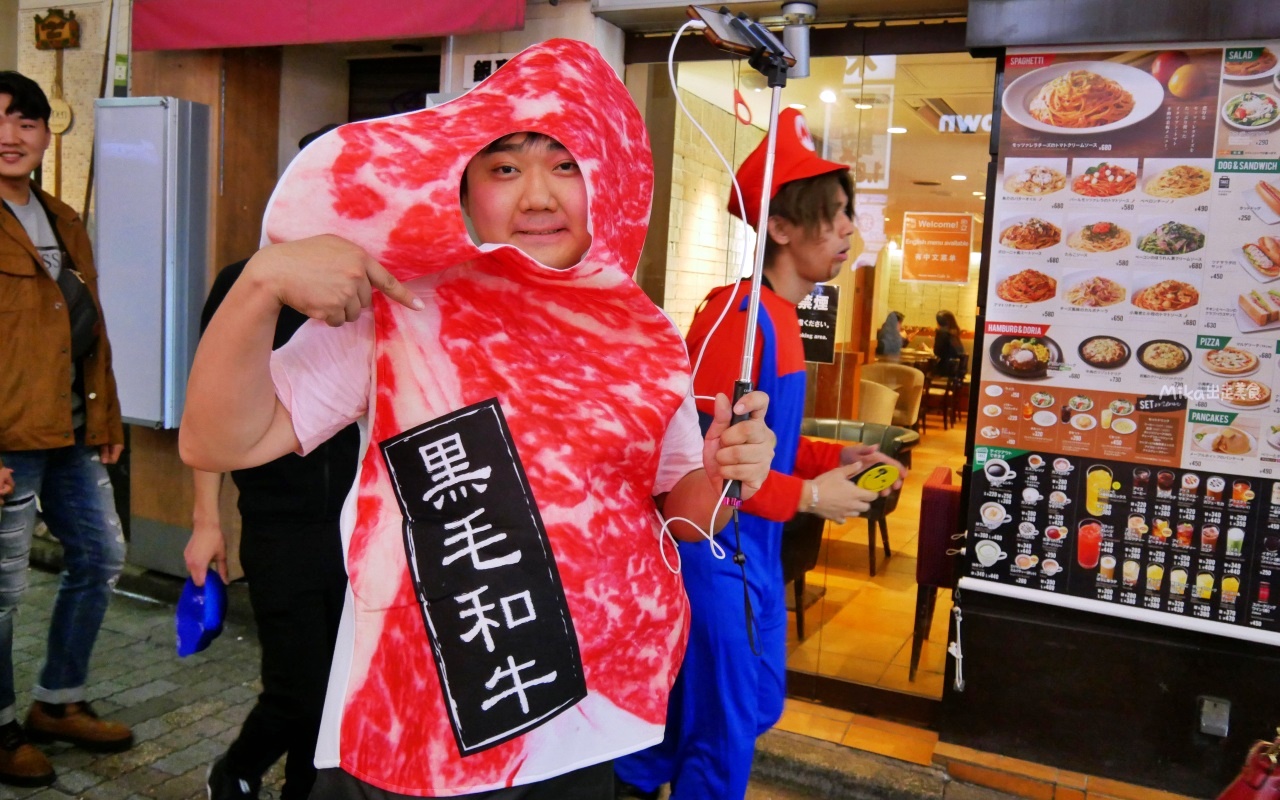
(743, 36)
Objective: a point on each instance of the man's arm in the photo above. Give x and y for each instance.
(740, 452)
(207, 543)
(232, 417)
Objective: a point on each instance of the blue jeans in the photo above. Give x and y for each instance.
(77, 503)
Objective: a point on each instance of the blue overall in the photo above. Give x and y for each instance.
(725, 695)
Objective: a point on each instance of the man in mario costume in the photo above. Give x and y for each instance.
(733, 681)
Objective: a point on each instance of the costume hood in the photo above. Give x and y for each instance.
(391, 185)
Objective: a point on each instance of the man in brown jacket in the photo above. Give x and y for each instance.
(59, 423)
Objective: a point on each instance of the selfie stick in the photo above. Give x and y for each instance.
(769, 57)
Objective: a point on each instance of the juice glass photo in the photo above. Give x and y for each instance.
(1264, 592)
(1141, 478)
(1209, 538)
(1107, 570)
(1097, 486)
(1089, 544)
(1204, 585)
(1235, 542)
(1185, 531)
(1241, 491)
(1177, 582)
(1164, 482)
(1230, 588)
(1155, 577)
(1131, 570)
(1214, 487)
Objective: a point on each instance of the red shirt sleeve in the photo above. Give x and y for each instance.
(814, 457)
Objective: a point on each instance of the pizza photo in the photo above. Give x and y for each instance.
(1230, 361)
(1244, 393)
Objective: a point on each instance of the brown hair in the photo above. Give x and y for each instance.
(810, 203)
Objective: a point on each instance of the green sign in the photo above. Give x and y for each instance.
(1247, 165)
(1213, 417)
(1214, 342)
(1237, 55)
(982, 455)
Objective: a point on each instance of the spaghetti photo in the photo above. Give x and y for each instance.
(1179, 181)
(1095, 292)
(1034, 234)
(1100, 237)
(1081, 99)
(1105, 180)
(1035, 180)
(1027, 286)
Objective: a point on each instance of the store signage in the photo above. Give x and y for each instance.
(476, 68)
(817, 312)
(936, 247)
(1132, 312)
(964, 123)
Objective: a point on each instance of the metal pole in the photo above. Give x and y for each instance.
(762, 237)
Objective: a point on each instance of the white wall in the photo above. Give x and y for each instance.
(571, 19)
(313, 93)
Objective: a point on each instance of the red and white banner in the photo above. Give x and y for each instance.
(201, 24)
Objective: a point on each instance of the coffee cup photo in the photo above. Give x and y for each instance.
(1050, 566)
(988, 553)
(1035, 461)
(994, 515)
(1027, 529)
(1030, 495)
(998, 471)
(1062, 465)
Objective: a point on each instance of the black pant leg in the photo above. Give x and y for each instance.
(296, 586)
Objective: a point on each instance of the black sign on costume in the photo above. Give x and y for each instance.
(817, 315)
(485, 577)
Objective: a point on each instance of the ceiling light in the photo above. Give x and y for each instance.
(758, 89)
(827, 96)
(977, 194)
(862, 106)
(897, 130)
(797, 106)
(892, 245)
(959, 177)
(886, 219)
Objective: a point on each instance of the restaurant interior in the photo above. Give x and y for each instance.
(917, 130)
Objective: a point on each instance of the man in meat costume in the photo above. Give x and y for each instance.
(733, 680)
(511, 621)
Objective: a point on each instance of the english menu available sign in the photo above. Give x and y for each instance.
(936, 247)
(1128, 436)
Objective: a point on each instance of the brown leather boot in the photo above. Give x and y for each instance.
(77, 723)
(21, 764)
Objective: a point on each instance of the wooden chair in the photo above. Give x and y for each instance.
(943, 390)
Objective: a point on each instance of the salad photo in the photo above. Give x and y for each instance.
(1251, 110)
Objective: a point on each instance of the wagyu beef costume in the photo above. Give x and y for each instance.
(510, 617)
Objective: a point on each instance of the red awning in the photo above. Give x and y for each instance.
(199, 24)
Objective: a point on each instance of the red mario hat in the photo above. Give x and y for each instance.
(795, 157)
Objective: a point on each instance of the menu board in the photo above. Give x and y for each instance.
(1127, 437)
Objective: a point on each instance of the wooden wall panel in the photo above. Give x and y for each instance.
(243, 85)
(248, 157)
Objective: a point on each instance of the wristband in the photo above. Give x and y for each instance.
(813, 496)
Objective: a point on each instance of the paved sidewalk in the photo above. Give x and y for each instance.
(184, 712)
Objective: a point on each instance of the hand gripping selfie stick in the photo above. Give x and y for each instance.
(767, 55)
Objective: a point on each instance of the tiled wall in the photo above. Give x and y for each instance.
(920, 301)
(705, 244)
